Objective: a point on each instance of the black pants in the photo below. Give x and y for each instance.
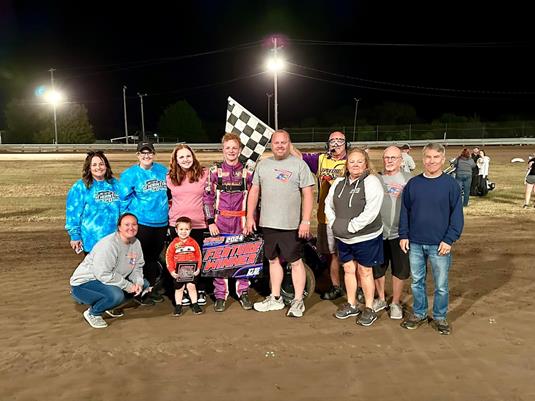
(152, 241)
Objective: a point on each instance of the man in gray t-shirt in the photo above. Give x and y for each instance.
(393, 180)
(286, 185)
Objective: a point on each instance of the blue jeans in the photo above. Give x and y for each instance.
(99, 296)
(465, 181)
(440, 265)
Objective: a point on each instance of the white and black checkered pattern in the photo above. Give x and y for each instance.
(254, 134)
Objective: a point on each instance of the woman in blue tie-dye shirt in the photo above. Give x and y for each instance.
(93, 204)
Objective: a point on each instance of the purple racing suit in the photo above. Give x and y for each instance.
(225, 202)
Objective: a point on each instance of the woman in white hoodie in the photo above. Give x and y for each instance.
(352, 208)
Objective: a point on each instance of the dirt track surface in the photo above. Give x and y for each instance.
(50, 353)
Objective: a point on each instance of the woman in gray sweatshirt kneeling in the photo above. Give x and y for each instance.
(111, 269)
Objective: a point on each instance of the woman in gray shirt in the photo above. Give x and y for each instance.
(113, 267)
(463, 173)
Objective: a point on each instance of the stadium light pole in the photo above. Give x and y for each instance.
(54, 98)
(269, 106)
(355, 119)
(125, 120)
(142, 116)
(275, 65)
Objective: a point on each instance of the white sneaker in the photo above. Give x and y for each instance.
(268, 304)
(201, 298)
(95, 321)
(297, 308)
(396, 311)
(379, 305)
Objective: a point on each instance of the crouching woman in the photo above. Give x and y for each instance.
(111, 269)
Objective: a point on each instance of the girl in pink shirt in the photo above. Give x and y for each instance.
(186, 182)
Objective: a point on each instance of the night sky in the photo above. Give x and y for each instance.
(461, 57)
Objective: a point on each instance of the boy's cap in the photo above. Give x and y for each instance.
(406, 146)
(145, 145)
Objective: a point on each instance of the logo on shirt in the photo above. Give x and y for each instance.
(154, 186)
(184, 249)
(282, 175)
(106, 196)
(394, 190)
(329, 174)
(132, 258)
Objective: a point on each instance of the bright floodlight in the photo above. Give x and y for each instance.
(275, 64)
(54, 97)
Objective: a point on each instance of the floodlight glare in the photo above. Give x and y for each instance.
(54, 97)
(275, 64)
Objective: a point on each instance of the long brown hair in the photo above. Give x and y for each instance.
(178, 174)
(87, 177)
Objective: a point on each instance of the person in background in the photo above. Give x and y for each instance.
(186, 181)
(225, 202)
(529, 180)
(327, 167)
(463, 173)
(143, 192)
(393, 180)
(352, 208)
(475, 172)
(93, 205)
(483, 164)
(111, 269)
(287, 187)
(407, 163)
(431, 220)
(184, 249)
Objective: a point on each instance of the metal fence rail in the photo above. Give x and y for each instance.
(168, 147)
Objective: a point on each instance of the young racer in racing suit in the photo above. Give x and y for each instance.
(225, 201)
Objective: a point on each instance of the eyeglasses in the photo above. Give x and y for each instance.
(387, 158)
(146, 154)
(340, 141)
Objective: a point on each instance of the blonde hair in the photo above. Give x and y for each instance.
(369, 165)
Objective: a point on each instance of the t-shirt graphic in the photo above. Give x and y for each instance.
(283, 175)
(393, 189)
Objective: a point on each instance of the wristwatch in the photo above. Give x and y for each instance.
(305, 222)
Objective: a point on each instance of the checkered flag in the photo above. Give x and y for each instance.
(254, 134)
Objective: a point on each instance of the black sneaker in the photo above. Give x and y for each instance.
(219, 305)
(197, 310)
(413, 322)
(346, 310)
(367, 318)
(201, 297)
(145, 301)
(334, 292)
(245, 302)
(442, 326)
(178, 310)
(360, 296)
(114, 312)
(157, 298)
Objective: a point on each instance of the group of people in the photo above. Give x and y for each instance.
(471, 172)
(367, 221)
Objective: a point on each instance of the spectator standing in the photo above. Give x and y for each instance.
(431, 220)
(287, 199)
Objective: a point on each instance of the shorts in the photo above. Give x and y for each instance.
(326, 243)
(366, 253)
(282, 243)
(396, 258)
(530, 179)
(179, 284)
